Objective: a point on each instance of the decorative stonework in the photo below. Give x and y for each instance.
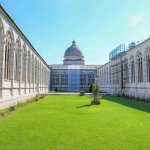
(135, 73)
(13, 89)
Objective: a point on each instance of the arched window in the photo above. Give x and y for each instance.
(24, 55)
(148, 65)
(17, 61)
(1, 39)
(8, 55)
(132, 69)
(1, 29)
(140, 67)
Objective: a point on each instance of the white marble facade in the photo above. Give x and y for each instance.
(23, 72)
(128, 73)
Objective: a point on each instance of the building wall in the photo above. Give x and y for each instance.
(129, 73)
(72, 78)
(23, 73)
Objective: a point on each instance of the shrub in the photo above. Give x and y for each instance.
(19, 104)
(95, 91)
(28, 101)
(2, 113)
(12, 108)
(119, 95)
(41, 96)
(82, 93)
(36, 98)
(146, 99)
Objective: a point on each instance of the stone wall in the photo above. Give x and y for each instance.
(134, 67)
(23, 72)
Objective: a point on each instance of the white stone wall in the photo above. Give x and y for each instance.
(110, 82)
(36, 74)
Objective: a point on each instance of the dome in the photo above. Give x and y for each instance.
(73, 50)
(73, 55)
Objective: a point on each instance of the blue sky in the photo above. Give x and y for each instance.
(97, 26)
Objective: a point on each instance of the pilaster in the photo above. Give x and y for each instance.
(12, 67)
(2, 64)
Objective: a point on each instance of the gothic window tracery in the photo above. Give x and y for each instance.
(8, 55)
(148, 64)
(140, 67)
(132, 69)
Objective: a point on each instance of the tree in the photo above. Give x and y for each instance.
(95, 91)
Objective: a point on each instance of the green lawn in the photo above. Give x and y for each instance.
(69, 123)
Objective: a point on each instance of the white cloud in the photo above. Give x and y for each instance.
(135, 20)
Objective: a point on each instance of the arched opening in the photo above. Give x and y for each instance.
(24, 55)
(1, 29)
(8, 55)
(140, 67)
(29, 67)
(17, 61)
(1, 41)
(148, 64)
(132, 69)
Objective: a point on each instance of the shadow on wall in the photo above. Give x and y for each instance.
(139, 105)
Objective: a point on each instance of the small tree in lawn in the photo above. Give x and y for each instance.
(95, 91)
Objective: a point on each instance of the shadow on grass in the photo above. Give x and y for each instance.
(87, 105)
(139, 105)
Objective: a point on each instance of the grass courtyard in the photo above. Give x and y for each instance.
(69, 123)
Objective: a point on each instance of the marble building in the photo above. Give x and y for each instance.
(128, 71)
(23, 72)
(73, 74)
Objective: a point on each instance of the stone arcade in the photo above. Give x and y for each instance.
(128, 72)
(23, 72)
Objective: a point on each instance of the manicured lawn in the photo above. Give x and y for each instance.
(68, 123)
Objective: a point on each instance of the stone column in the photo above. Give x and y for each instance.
(2, 64)
(37, 82)
(26, 72)
(42, 78)
(144, 74)
(136, 76)
(144, 70)
(59, 78)
(136, 71)
(12, 67)
(20, 70)
(30, 67)
(129, 71)
(33, 73)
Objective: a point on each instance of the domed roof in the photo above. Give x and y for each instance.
(73, 50)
